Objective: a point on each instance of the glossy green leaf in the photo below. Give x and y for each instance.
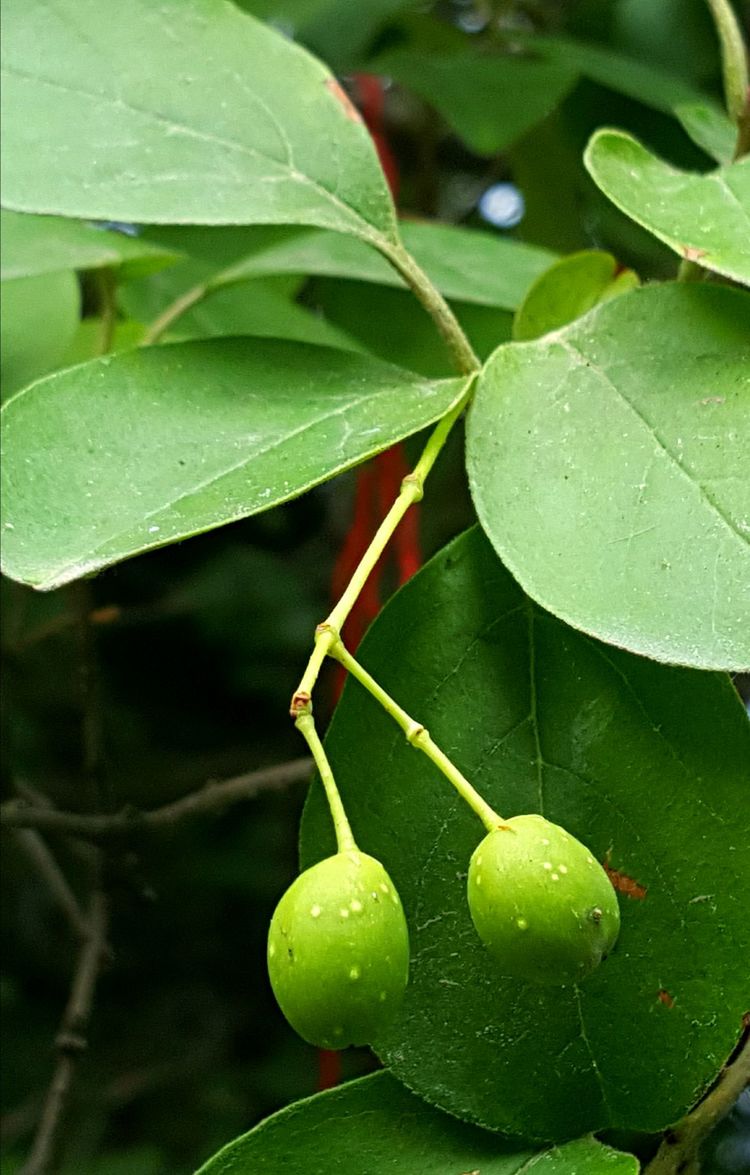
(374, 1125)
(38, 319)
(182, 111)
(489, 101)
(646, 763)
(569, 289)
(138, 450)
(652, 85)
(48, 244)
(464, 264)
(710, 128)
(610, 467)
(704, 218)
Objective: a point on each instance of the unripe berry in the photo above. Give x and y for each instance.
(542, 905)
(338, 951)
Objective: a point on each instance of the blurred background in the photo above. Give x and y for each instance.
(196, 649)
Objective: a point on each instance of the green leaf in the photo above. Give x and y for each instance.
(389, 1129)
(710, 128)
(645, 763)
(704, 218)
(145, 448)
(653, 86)
(185, 111)
(48, 244)
(610, 467)
(489, 101)
(569, 289)
(464, 264)
(38, 319)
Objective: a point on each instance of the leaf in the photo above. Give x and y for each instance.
(569, 289)
(653, 86)
(33, 245)
(610, 466)
(185, 111)
(704, 218)
(646, 763)
(489, 101)
(145, 448)
(388, 1128)
(710, 128)
(38, 319)
(464, 264)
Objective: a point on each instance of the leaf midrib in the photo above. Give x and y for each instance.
(582, 360)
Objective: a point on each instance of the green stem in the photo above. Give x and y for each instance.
(417, 736)
(174, 311)
(412, 490)
(743, 131)
(733, 58)
(462, 352)
(344, 837)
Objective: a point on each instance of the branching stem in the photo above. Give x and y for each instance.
(412, 490)
(211, 799)
(418, 737)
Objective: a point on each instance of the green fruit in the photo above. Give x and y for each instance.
(338, 951)
(541, 904)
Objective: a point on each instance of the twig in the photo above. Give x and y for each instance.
(174, 311)
(70, 1042)
(213, 798)
(678, 1153)
(48, 868)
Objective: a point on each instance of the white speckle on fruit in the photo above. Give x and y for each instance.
(547, 865)
(522, 924)
(544, 840)
(478, 879)
(383, 996)
(555, 876)
(354, 973)
(589, 860)
(563, 868)
(272, 950)
(384, 888)
(344, 912)
(315, 911)
(479, 862)
(355, 906)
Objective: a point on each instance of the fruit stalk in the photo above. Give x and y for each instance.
(416, 735)
(344, 837)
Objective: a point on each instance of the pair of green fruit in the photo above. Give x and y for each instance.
(338, 945)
